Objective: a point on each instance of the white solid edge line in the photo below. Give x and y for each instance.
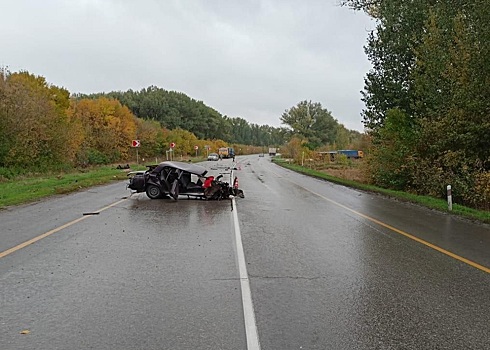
(248, 307)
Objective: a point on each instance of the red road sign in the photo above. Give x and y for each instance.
(135, 143)
(172, 144)
(196, 147)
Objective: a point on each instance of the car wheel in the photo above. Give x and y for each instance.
(154, 192)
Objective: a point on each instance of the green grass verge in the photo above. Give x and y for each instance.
(28, 189)
(429, 202)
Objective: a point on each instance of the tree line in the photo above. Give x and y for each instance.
(44, 128)
(427, 96)
(309, 121)
(177, 110)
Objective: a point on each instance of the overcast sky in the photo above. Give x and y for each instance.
(245, 58)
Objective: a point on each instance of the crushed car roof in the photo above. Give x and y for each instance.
(189, 167)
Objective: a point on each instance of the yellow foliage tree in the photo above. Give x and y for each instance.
(184, 141)
(108, 129)
(152, 138)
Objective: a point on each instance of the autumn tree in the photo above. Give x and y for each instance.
(171, 109)
(184, 141)
(152, 138)
(108, 129)
(35, 131)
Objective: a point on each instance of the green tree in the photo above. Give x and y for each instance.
(242, 132)
(342, 137)
(431, 64)
(312, 122)
(391, 160)
(175, 110)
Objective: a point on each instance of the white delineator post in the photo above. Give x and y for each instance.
(449, 198)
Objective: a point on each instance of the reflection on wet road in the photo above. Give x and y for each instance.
(328, 268)
(324, 276)
(145, 274)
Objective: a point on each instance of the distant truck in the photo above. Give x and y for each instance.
(272, 151)
(349, 153)
(226, 152)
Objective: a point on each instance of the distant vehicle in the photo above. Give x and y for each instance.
(213, 156)
(226, 152)
(349, 153)
(261, 154)
(171, 179)
(272, 151)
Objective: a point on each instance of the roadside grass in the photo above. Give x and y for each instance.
(26, 189)
(32, 188)
(429, 202)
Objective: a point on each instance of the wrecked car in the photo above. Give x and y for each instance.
(172, 179)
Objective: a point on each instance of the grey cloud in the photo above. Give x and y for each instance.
(251, 59)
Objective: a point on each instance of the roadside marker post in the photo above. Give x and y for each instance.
(136, 144)
(449, 198)
(171, 150)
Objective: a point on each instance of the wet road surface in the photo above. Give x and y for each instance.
(328, 267)
(325, 277)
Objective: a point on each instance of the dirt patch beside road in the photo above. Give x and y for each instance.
(354, 174)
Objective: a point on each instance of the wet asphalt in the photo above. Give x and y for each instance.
(329, 268)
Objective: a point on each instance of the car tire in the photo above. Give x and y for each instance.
(154, 192)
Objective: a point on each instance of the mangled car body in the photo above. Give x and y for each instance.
(174, 179)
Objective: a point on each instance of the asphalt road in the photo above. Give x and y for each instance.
(327, 267)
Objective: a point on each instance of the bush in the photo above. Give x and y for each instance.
(95, 157)
(481, 198)
(470, 182)
(7, 173)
